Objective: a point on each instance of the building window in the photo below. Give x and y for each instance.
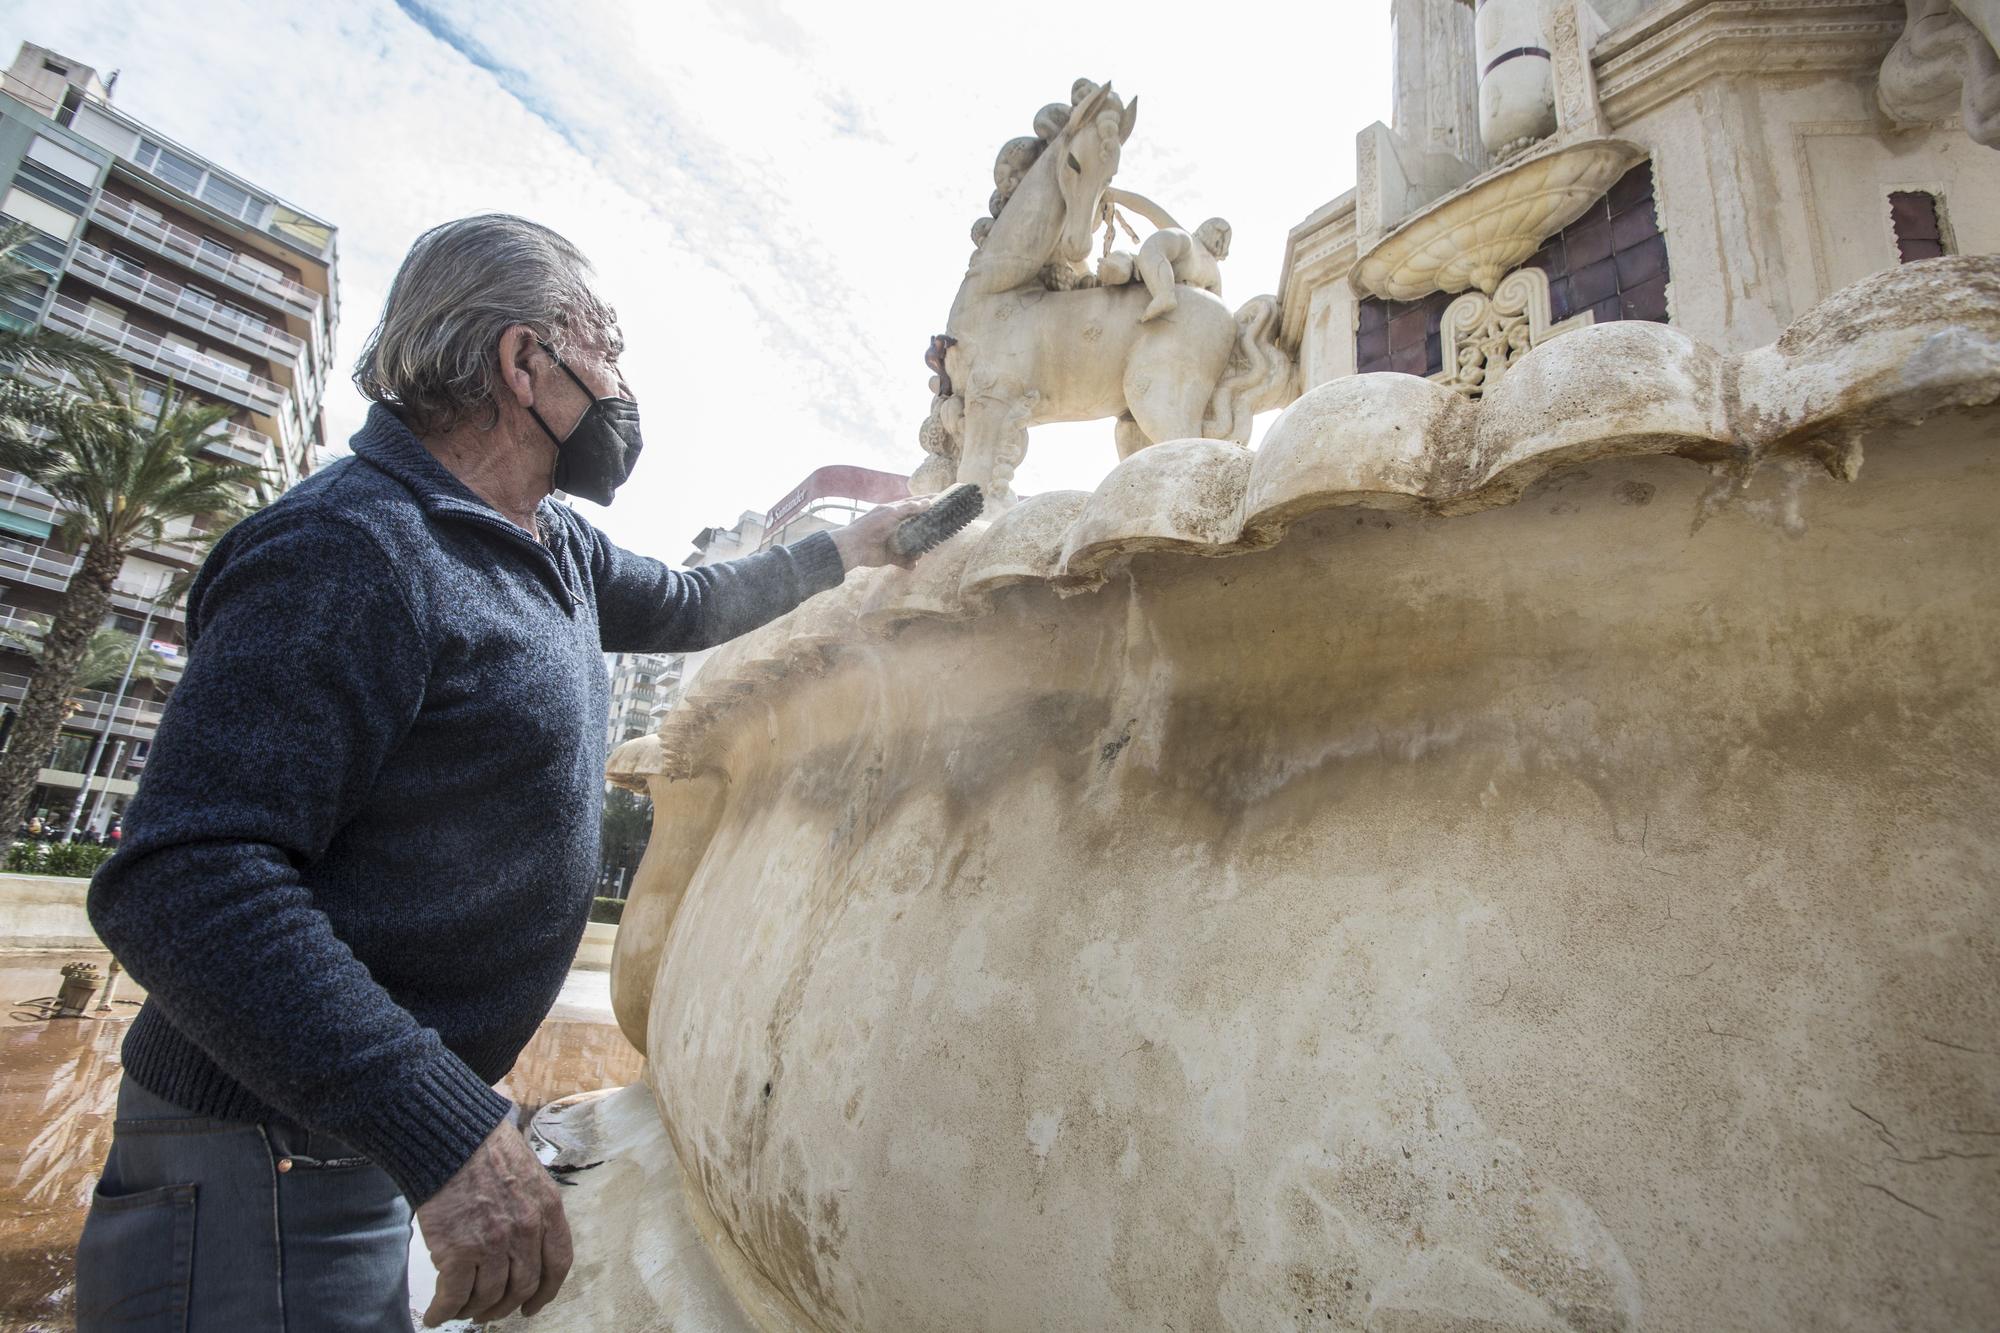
(1918, 223)
(57, 158)
(180, 172)
(236, 202)
(53, 68)
(40, 214)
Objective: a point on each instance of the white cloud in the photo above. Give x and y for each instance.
(776, 195)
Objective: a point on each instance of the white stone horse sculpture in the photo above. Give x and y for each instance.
(1033, 337)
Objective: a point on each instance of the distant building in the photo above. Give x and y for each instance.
(640, 685)
(713, 545)
(831, 497)
(644, 685)
(191, 274)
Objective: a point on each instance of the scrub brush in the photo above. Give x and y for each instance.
(950, 512)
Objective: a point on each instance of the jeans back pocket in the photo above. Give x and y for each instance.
(135, 1262)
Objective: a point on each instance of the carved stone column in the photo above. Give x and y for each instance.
(1436, 94)
(1573, 29)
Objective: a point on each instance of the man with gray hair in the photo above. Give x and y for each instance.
(361, 861)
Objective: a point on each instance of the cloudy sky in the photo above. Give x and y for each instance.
(777, 195)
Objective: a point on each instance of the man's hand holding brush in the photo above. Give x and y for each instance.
(899, 534)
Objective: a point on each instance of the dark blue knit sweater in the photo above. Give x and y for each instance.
(363, 853)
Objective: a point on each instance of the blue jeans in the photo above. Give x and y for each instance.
(202, 1224)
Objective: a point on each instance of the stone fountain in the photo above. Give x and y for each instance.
(1514, 849)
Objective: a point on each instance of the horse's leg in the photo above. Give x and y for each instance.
(996, 440)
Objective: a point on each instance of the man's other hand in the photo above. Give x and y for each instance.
(496, 1234)
(865, 541)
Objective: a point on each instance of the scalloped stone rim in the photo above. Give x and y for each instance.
(1893, 348)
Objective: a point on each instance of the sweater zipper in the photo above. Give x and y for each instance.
(547, 557)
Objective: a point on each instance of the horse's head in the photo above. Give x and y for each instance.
(1085, 156)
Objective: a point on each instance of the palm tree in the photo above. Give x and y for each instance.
(120, 472)
(27, 349)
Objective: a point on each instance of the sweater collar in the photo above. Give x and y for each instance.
(385, 442)
(394, 448)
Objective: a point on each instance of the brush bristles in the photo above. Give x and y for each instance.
(949, 513)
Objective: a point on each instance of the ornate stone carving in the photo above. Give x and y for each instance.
(1036, 336)
(1945, 63)
(1483, 335)
(1572, 33)
(1476, 235)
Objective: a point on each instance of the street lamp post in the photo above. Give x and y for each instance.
(117, 702)
(97, 806)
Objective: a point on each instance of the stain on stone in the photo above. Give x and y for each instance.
(1635, 493)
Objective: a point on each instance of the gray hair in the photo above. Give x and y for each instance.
(433, 357)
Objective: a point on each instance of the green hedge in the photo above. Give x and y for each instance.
(607, 910)
(78, 860)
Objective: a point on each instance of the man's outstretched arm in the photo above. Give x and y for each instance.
(645, 606)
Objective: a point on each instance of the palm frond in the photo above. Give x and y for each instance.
(52, 352)
(122, 471)
(25, 406)
(19, 278)
(44, 350)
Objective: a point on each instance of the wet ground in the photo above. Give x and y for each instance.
(58, 1086)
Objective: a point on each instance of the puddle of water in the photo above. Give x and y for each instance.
(58, 1088)
(58, 1093)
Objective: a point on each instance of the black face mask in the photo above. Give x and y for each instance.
(598, 455)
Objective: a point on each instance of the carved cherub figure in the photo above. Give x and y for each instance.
(1170, 256)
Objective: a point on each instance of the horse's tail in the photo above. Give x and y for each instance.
(1261, 374)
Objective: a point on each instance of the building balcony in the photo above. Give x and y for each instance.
(196, 252)
(136, 601)
(178, 303)
(175, 362)
(49, 569)
(37, 566)
(23, 498)
(22, 627)
(17, 625)
(135, 718)
(238, 444)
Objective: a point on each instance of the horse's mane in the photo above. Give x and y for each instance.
(1017, 157)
